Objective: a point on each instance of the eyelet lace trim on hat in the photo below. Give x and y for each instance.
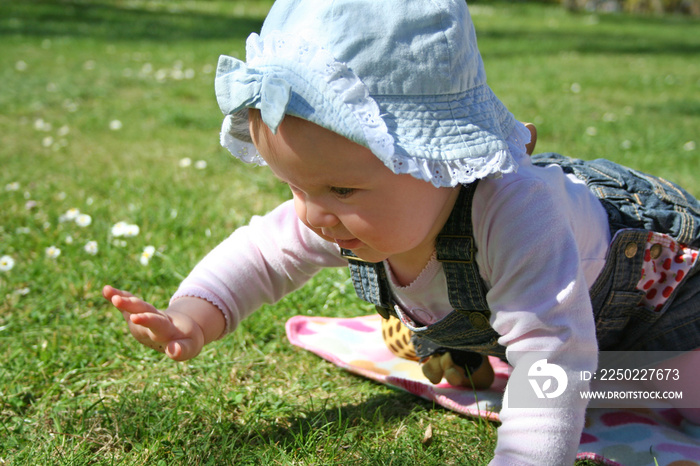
(275, 49)
(242, 150)
(442, 173)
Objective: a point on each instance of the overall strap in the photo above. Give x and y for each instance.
(456, 250)
(370, 282)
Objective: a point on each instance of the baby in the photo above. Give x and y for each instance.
(405, 167)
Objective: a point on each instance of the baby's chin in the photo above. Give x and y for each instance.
(357, 246)
(369, 255)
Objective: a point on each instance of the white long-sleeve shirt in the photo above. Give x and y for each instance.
(541, 238)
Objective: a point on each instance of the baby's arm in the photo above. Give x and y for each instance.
(259, 263)
(539, 302)
(180, 331)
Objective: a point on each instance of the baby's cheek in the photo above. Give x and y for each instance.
(318, 232)
(299, 208)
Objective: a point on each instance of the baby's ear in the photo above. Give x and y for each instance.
(530, 146)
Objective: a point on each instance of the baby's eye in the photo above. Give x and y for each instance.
(342, 192)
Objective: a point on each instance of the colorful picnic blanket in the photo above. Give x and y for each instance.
(612, 436)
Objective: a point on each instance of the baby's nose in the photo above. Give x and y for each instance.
(318, 216)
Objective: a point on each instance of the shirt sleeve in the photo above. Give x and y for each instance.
(538, 295)
(259, 263)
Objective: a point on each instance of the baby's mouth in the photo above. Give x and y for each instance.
(352, 243)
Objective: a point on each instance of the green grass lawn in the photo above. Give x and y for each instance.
(102, 105)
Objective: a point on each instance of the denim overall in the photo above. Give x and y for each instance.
(636, 203)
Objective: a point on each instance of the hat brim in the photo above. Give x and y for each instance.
(450, 139)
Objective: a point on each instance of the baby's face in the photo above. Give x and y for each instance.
(346, 195)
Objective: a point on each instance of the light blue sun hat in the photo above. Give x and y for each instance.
(403, 78)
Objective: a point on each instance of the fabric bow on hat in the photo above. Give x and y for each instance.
(238, 86)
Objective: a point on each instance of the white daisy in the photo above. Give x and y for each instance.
(6, 263)
(127, 230)
(147, 254)
(70, 215)
(83, 220)
(52, 252)
(91, 247)
(131, 231)
(119, 228)
(41, 125)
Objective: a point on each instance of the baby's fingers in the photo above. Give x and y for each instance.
(110, 292)
(160, 327)
(182, 350)
(126, 302)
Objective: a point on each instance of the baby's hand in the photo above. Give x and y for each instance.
(170, 332)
